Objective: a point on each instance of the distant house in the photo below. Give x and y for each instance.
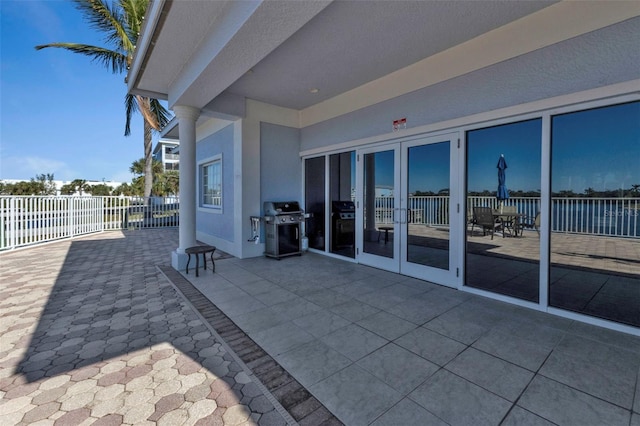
(167, 152)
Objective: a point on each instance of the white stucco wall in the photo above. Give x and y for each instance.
(280, 163)
(597, 59)
(215, 226)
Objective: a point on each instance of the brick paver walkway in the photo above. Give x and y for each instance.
(92, 332)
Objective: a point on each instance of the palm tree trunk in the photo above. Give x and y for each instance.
(148, 161)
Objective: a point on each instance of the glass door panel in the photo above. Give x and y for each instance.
(595, 213)
(428, 222)
(378, 214)
(428, 205)
(503, 249)
(314, 196)
(342, 183)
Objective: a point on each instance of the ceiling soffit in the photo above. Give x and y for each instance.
(277, 51)
(351, 43)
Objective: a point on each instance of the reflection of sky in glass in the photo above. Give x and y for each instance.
(597, 149)
(384, 169)
(520, 143)
(429, 167)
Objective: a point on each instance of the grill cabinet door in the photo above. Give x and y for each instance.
(288, 239)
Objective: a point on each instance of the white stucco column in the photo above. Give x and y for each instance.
(187, 117)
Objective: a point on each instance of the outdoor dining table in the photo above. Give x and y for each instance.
(506, 217)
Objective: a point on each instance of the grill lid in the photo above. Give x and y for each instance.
(343, 206)
(275, 208)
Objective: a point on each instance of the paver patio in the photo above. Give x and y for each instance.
(94, 333)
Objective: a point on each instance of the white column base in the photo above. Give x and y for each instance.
(179, 260)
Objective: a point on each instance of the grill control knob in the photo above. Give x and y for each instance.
(282, 219)
(291, 218)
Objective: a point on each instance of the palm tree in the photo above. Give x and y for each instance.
(120, 23)
(80, 185)
(172, 182)
(164, 182)
(138, 167)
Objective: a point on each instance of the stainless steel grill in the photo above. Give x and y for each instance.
(343, 225)
(282, 221)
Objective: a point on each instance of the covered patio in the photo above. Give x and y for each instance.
(327, 340)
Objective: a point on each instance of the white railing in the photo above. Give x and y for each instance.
(593, 216)
(28, 220)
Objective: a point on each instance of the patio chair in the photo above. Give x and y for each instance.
(531, 223)
(484, 218)
(471, 218)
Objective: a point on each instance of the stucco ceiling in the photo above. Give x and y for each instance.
(331, 48)
(353, 42)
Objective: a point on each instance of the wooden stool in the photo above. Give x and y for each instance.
(386, 230)
(196, 250)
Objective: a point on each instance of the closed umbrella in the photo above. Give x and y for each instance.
(503, 193)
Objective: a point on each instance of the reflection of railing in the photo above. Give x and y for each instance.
(593, 216)
(28, 220)
(212, 200)
(598, 216)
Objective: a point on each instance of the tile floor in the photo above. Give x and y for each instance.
(377, 348)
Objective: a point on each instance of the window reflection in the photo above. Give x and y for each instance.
(315, 202)
(595, 213)
(342, 182)
(428, 204)
(502, 245)
(379, 203)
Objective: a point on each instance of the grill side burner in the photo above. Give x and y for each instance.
(282, 228)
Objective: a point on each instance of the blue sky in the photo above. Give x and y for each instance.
(519, 142)
(60, 112)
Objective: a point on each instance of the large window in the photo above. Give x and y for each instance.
(595, 212)
(342, 187)
(503, 205)
(339, 238)
(314, 178)
(211, 183)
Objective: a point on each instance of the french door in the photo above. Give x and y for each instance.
(408, 218)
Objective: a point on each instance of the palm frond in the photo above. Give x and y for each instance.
(116, 61)
(131, 106)
(153, 112)
(134, 11)
(160, 112)
(109, 20)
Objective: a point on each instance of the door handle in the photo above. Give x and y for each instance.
(403, 215)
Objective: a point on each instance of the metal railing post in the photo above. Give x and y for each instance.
(12, 215)
(72, 220)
